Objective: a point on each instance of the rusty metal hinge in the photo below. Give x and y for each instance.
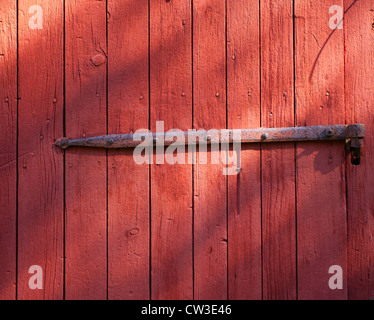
(353, 134)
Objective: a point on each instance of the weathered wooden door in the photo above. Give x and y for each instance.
(100, 226)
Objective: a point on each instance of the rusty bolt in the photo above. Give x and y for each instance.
(264, 136)
(329, 132)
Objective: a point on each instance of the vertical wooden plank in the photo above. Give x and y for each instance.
(244, 189)
(210, 188)
(40, 164)
(86, 254)
(128, 182)
(321, 201)
(359, 97)
(171, 186)
(8, 148)
(278, 169)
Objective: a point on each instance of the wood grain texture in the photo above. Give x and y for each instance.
(321, 202)
(244, 189)
(40, 164)
(210, 185)
(86, 178)
(8, 148)
(171, 185)
(128, 182)
(359, 98)
(278, 169)
(184, 231)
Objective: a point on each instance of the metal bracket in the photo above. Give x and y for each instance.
(355, 145)
(353, 134)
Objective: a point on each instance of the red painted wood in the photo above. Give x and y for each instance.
(359, 97)
(8, 147)
(201, 234)
(128, 182)
(86, 178)
(244, 189)
(278, 170)
(40, 164)
(171, 185)
(210, 188)
(321, 202)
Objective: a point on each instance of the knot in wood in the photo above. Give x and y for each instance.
(98, 59)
